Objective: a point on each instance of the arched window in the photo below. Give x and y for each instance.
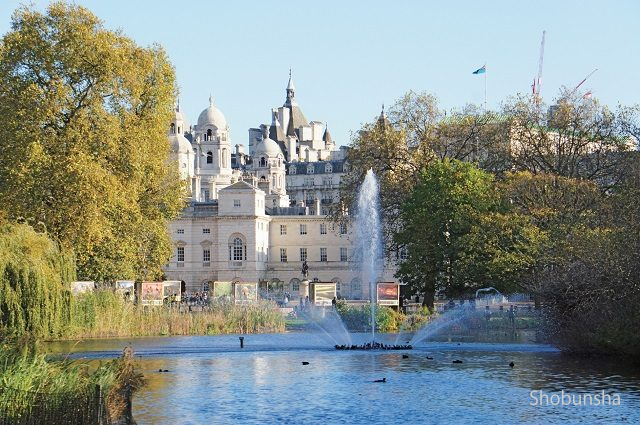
(237, 249)
(263, 162)
(209, 157)
(328, 168)
(310, 169)
(209, 134)
(292, 169)
(172, 129)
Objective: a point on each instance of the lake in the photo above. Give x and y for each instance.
(212, 380)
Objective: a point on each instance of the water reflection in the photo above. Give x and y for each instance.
(211, 380)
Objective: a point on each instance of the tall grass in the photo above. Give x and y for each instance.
(104, 314)
(55, 388)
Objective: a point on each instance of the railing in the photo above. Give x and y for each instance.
(20, 407)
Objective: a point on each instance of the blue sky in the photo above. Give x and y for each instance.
(349, 57)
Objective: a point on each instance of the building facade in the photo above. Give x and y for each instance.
(257, 216)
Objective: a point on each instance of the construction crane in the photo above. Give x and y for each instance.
(537, 82)
(582, 82)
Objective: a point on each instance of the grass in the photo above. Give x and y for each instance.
(44, 390)
(103, 314)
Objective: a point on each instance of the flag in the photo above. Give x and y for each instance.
(587, 95)
(481, 70)
(533, 87)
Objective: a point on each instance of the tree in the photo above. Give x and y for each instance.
(500, 250)
(448, 199)
(575, 137)
(82, 146)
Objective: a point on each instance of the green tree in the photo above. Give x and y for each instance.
(500, 250)
(448, 199)
(82, 146)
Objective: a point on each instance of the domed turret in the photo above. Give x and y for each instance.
(212, 116)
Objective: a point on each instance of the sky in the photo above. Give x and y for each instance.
(350, 57)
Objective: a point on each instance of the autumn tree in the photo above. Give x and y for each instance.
(575, 137)
(82, 143)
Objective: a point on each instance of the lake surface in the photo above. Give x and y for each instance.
(212, 381)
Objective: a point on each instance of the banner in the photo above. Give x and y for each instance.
(323, 293)
(80, 287)
(151, 293)
(388, 294)
(246, 293)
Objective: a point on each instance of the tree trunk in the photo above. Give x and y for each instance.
(428, 300)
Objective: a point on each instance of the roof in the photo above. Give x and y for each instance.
(319, 167)
(240, 185)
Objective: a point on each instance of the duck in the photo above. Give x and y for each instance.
(405, 356)
(429, 358)
(512, 364)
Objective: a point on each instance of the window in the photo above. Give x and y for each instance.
(303, 254)
(328, 168)
(323, 229)
(343, 229)
(303, 229)
(323, 254)
(343, 254)
(283, 229)
(236, 203)
(206, 231)
(292, 169)
(283, 255)
(172, 130)
(181, 254)
(263, 162)
(295, 285)
(224, 157)
(180, 231)
(404, 253)
(209, 134)
(238, 250)
(206, 256)
(206, 195)
(209, 157)
(310, 169)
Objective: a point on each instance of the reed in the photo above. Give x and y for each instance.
(104, 314)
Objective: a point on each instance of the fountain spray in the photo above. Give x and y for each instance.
(369, 240)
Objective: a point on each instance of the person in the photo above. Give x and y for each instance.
(334, 302)
(286, 300)
(306, 302)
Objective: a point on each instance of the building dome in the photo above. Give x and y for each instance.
(179, 144)
(268, 147)
(212, 117)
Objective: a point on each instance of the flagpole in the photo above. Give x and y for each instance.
(485, 89)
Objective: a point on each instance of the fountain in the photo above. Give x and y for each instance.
(370, 259)
(369, 240)
(457, 314)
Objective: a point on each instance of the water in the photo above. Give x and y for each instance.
(369, 239)
(212, 380)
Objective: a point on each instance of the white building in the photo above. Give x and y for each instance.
(257, 217)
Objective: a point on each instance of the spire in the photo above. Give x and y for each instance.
(178, 105)
(291, 91)
(383, 120)
(210, 99)
(327, 136)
